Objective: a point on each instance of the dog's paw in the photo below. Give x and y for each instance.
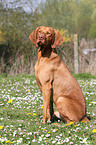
(49, 121)
(57, 114)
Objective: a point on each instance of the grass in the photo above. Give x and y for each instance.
(21, 108)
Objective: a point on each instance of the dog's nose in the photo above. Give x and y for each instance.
(41, 37)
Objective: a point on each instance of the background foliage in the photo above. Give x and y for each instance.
(19, 18)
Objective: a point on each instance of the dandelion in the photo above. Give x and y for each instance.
(83, 121)
(7, 141)
(70, 123)
(10, 101)
(41, 107)
(49, 132)
(34, 114)
(1, 127)
(75, 125)
(28, 114)
(44, 129)
(94, 130)
(3, 107)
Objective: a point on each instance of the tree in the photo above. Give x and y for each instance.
(92, 32)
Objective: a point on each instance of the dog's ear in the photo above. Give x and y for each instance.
(58, 40)
(33, 36)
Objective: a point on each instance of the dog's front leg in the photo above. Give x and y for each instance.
(47, 102)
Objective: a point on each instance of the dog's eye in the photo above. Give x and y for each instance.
(39, 31)
(48, 33)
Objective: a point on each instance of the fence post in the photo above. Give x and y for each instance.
(76, 65)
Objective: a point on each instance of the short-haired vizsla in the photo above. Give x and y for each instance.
(55, 80)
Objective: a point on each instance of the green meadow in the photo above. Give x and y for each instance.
(21, 108)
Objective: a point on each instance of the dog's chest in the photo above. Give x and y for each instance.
(43, 72)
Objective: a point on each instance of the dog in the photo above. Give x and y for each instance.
(54, 79)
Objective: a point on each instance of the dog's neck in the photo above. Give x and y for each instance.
(44, 52)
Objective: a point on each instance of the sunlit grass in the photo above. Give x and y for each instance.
(21, 108)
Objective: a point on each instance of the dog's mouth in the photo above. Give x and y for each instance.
(40, 43)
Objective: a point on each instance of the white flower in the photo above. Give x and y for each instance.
(66, 140)
(30, 133)
(40, 138)
(71, 142)
(1, 118)
(47, 135)
(11, 125)
(54, 141)
(14, 133)
(84, 141)
(58, 143)
(19, 141)
(1, 139)
(33, 140)
(19, 129)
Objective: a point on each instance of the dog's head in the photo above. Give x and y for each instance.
(46, 36)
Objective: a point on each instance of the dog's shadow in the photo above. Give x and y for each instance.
(56, 119)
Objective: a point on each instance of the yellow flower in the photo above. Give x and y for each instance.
(83, 121)
(70, 123)
(28, 113)
(11, 142)
(44, 129)
(41, 107)
(75, 125)
(94, 130)
(34, 114)
(1, 127)
(7, 141)
(64, 34)
(67, 124)
(10, 101)
(3, 107)
(49, 132)
(28, 90)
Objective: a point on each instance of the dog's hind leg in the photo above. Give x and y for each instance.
(69, 110)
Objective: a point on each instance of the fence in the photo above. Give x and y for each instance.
(79, 56)
(87, 56)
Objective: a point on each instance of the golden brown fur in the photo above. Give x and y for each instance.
(55, 80)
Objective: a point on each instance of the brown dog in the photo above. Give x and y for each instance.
(55, 80)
